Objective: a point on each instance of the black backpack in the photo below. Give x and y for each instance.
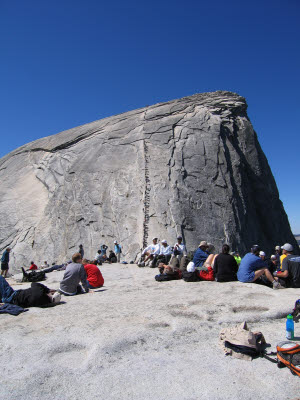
(33, 276)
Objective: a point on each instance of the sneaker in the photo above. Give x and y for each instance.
(276, 285)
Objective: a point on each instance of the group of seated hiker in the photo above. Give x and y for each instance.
(254, 268)
(112, 257)
(157, 253)
(80, 271)
(223, 267)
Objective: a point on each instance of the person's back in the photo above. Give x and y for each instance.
(225, 267)
(94, 276)
(74, 273)
(249, 264)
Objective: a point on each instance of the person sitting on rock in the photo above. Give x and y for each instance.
(237, 258)
(74, 274)
(45, 265)
(271, 267)
(289, 276)
(94, 276)
(32, 266)
(37, 295)
(99, 258)
(149, 252)
(179, 248)
(164, 255)
(252, 267)
(112, 258)
(103, 249)
(200, 255)
(225, 266)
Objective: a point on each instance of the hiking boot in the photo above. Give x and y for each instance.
(276, 285)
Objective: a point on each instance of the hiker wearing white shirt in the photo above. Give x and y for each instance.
(164, 255)
(179, 248)
(149, 252)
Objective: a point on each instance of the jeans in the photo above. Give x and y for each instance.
(7, 293)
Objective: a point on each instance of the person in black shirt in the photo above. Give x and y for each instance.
(289, 276)
(225, 266)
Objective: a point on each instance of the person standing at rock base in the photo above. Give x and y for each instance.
(118, 250)
(81, 251)
(5, 262)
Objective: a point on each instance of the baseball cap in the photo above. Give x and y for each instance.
(262, 253)
(115, 242)
(277, 248)
(155, 238)
(273, 257)
(179, 237)
(203, 243)
(287, 247)
(164, 241)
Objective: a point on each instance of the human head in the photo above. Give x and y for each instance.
(164, 243)
(85, 261)
(287, 248)
(8, 249)
(277, 248)
(203, 245)
(225, 249)
(99, 252)
(255, 249)
(95, 262)
(115, 242)
(273, 259)
(31, 262)
(76, 258)
(179, 239)
(262, 255)
(80, 245)
(154, 240)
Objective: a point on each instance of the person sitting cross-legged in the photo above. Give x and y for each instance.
(74, 273)
(225, 266)
(253, 267)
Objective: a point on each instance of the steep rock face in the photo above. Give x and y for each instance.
(191, 166)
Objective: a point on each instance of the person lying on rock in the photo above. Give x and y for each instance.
(37, 295)
(252, 267)
(94, 277)
(225, 266)
(149, 252)
(74, 274)
(167, 273)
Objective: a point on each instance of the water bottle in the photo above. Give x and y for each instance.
(289, 327)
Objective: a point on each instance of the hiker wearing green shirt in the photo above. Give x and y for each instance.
(237, 258)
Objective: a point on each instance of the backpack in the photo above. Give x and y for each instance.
(33, 276)
(288, 355)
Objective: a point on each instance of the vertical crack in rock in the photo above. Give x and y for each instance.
(146, 196)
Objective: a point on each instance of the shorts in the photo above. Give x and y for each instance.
(4, 266)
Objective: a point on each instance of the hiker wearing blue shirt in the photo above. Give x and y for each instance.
(253, 267)
(118, 250)
(201, 254)
(4, 262)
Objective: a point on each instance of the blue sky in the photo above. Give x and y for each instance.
(65, 63)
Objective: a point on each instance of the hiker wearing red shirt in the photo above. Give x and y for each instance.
(94, 276)
(33, 266)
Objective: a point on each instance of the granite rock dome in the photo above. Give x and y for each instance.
(191, 166)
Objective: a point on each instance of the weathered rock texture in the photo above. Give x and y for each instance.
(191, 166)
